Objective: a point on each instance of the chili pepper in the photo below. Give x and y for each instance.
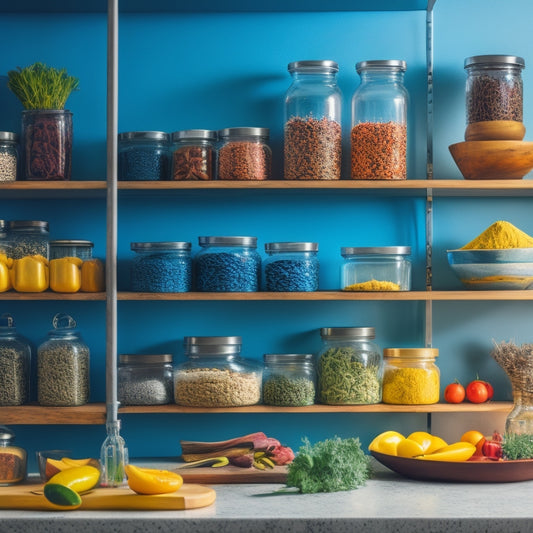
(65, 274)
(92, 276)
(5, 281)
(30, 274)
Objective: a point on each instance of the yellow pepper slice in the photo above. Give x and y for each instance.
(430, 443)
(456, 452)
(386, 442)
(65, 274)
(5, 279)
(92, 276)
(152, 481)
(30, 274)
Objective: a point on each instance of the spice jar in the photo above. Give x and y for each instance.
(143, 156)
(9, 156)
(13, 459)
(15, 361)
(145, 379)
(411, 376)
(28, 238)
(312, 132)
(63, 366)
(244, 154)
(215, 375)
(289, 379)
(71, 248)
(494, 88)
(161, 267)
(193, 155)
(379, 268)
(228, 264)
(350, 367)
(379, 122)
(291, 266)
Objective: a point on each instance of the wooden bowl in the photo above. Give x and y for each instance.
(478, 160)
(495, 130)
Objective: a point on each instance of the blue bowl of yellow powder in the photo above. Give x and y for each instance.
(485, 269)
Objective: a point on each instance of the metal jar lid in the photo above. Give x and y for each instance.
(249, 242)
(203, 135)
(3, 225)
(63, 243)
(231, 133)
(158, 246)
(28, 224)
(6, 435)
(288, 358)
(348, 333)
(212, 345)
(488, 61)
(313, 65)
(143, 136)
(291, 247)
(390, 64)
(152, 359)
(8, 136)
(417, 354)
(376, 250)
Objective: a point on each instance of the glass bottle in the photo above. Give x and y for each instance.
(379, 122)
(143, 156)
(349, 368)
(13, 459)
(113, 457)
(193, 155)
(9, 156)
(312, 131)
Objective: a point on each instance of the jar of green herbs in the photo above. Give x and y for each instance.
(350, 367)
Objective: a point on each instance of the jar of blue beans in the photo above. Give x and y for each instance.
(228, 264)
(143, 156)
(291, 267)
(161, 267)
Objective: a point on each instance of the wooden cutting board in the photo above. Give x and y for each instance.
(232, 474)
(189, 496)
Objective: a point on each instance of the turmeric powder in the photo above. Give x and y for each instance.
(500, 235)
(373, 285)
(411, 386)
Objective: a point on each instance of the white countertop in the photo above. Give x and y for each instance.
(386, 503)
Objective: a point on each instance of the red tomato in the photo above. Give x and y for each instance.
(454, 393)
(476, 391)
(490, 390)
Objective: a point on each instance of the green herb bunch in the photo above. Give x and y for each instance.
(39, 86)
(517, 446)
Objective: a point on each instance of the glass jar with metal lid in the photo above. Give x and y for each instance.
(289, 379)
(145, 379)
(161, 266)
(228, 264)
(28, 237)
(350, 367)
(143, 156)
(71, 248)
(13, 459)
(312, 131)
(244, 154)
(494, 88)
(377, 268)
(291, 266)
(379, 121)
(411, 376)
(193, 155)
(215, 374)
(9, 156)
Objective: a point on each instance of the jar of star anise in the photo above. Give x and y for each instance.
(193, 155)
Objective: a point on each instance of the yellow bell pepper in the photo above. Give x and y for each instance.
(30, 274)
(458, 451)
(152, 481)
(92, 276)
(386, 442)
(430, 443)
(65, 274)
(5, 279)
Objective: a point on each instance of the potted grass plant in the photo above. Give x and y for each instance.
(46, 140)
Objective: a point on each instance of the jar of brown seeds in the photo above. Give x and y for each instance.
(193, 155)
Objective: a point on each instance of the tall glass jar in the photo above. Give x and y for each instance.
(63, 366)
(494, 88)
(350, 367)
(143, 156)
(13, 459)
(312, 131)
(215, 375)
(379, 122)
(193, 155)
(9, 156)
(228, 264)
(28, 237)
(291, 266)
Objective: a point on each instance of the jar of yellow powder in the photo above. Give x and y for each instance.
(411, 376)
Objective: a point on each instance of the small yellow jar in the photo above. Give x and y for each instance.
(411, 376)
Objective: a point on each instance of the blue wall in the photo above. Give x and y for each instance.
(180, 71)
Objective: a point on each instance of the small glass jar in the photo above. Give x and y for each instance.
(161, 267)
(9, 156)
(215, 375)
(5, 245)
(143, 156)
(63, 366)
(228, 264)
(15, 364)
(13, 459)
(71, 248)
(145, 379)
(411, 376)
(312, 132)
(291, 266)
(244, 154)
(379, 122)
(494, 88)
(289, 379)
(380, 268)
(28, 237)
(350, 367)
(193, 155)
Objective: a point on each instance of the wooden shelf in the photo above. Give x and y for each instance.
(50, 295)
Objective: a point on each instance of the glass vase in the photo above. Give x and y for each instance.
(520, 419)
